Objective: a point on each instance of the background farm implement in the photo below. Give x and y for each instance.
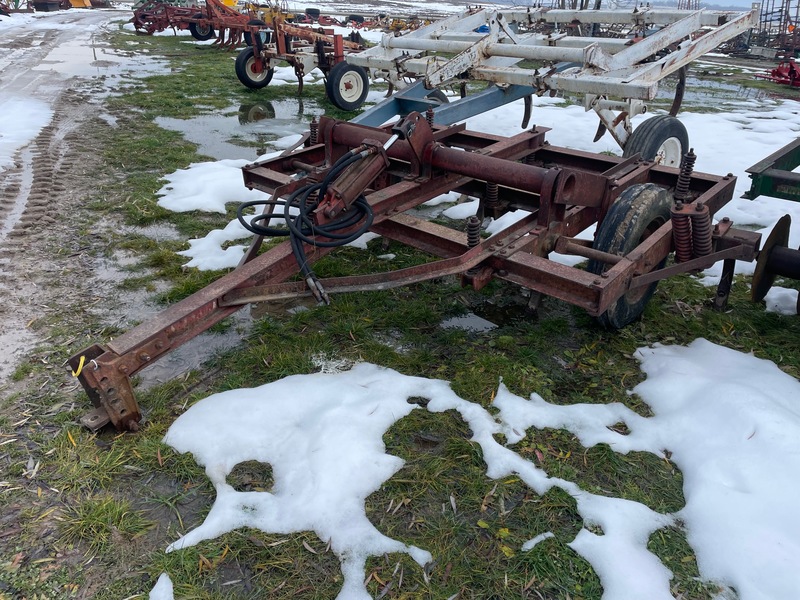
(304, 48)
(214, 18)
(786, 73)
(615, 59)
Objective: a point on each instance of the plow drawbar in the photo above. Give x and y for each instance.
(346, 179)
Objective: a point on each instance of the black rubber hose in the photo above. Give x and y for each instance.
(301, 228)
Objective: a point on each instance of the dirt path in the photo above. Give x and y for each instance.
(43, 64)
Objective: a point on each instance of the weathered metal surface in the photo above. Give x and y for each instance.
(774, 175)
(775, 260)
(487, 45)
(565, 192)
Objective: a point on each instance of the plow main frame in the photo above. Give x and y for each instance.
(563, 191)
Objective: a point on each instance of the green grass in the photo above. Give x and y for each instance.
(101, 520)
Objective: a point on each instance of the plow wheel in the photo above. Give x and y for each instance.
(264, 35)
(245, 64)
(662, 139)
(200, 31)
(347, 86)
(638, 212)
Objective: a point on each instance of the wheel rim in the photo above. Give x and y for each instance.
(350, 87)
(669, 153)
(255, 76)
(204, 30)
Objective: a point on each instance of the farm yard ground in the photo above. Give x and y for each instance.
(86, 252)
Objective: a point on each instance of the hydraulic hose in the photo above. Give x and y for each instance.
(301, 228)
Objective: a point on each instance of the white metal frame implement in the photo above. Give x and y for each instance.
(617, 75)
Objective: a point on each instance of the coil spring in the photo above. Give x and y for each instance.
(314, 131)
(473, 231)
(701, 231)
(473, 238)
(492, 194)
(429, 116)
(685, 176)
(681, 235)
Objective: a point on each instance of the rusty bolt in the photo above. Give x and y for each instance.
(502, 272)
(159, 345)
(699, 206)
(144, 357)
(123, 369)
(725, 219)
(604, 275)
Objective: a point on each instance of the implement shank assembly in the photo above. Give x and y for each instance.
(564, 191)
(614, 58)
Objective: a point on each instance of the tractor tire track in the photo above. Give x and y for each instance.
(43, 181)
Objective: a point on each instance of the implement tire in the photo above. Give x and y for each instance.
(347, 86)
(264, 35)
(638, 212)
(199, 31)
(245, 62)
(662, 139)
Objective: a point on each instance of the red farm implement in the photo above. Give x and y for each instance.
(304, 48)
(153, 16)
(786, 73)
(347, 179)
(213, 19)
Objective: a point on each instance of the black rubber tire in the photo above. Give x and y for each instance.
(355, 19)
(636, 213)
(662, 139)
(439, 96)
(265, 35)
(347, 86)
(313, 13)
(251, 113)
(244, 65)
(201, 32)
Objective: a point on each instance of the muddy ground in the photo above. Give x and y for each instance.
(44, 269)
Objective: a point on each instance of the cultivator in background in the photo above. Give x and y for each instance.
(213, 18)
(786, 73)
(304, 48)
(614, 58)
(348, 179)
(152, 16)
(5, 9)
